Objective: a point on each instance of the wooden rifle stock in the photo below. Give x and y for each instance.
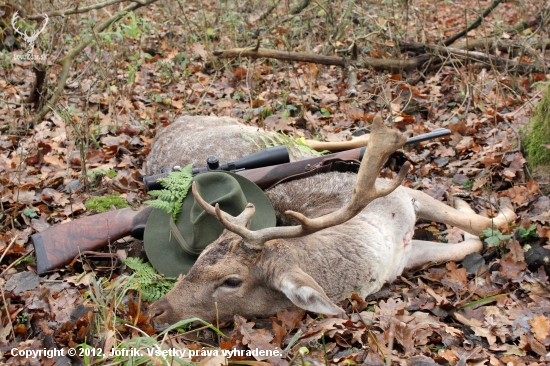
(59, 245)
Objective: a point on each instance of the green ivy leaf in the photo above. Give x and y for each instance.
(29, 212)
(503, 237)
(487, 233)
(493, 240)
(530, 232)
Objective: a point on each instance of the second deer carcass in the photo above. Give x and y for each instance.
(337, 232)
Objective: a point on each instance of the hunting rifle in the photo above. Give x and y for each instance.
(59, 245)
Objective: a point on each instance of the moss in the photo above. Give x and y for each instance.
(537, 133)
(103, 204)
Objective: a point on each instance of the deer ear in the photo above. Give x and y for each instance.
(305, 292)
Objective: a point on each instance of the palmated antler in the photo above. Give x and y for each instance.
(382, 143)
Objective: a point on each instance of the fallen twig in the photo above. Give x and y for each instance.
(281, 55)
(377, 64)
(521, 67)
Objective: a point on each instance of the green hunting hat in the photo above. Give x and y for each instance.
(173, 247)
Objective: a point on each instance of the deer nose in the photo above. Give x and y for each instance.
(159, 307)
(159, 326)
(157, 311)
(160, 314)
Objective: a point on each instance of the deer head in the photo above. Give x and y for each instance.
(29, 38)
(257, 273)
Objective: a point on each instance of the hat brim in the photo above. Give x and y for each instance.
(166, 254)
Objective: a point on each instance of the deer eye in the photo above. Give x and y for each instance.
(232, 282)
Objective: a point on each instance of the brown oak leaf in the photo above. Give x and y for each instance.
(540, 325)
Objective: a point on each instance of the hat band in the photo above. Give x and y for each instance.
(181, 241)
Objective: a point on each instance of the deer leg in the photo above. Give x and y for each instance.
(423, 252)
(462, 217)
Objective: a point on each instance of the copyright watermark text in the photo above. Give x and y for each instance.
(134, 352)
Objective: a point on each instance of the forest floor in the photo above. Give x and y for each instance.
(157, 63)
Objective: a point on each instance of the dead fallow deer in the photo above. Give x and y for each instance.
(326, 245)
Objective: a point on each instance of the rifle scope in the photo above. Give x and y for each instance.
(268, 157)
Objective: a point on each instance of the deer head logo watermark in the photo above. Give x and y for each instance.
(29, 39)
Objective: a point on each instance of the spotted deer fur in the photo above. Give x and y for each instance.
(312, 271)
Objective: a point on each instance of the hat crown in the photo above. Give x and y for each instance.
(221, 189)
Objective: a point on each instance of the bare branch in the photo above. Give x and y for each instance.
(352, 82)
(474, 25)
(340, 28)
(375, 63)
(77, 10)
(521, 67)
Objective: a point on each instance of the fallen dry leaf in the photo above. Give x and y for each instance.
(486, 333)
(255, 339)
(516, 251)
(457, 274)
(510, 268)
(540, 325)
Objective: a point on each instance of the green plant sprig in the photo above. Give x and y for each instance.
(493, 237)
(152, 285)
(176, 185)
(281, 138)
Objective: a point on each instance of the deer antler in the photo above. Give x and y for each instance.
(382, 144)
(232, 223)
(35, 34)
(13, 19)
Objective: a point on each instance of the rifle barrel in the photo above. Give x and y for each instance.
(267, 177)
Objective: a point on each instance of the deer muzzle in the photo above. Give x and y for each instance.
(161, 313)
